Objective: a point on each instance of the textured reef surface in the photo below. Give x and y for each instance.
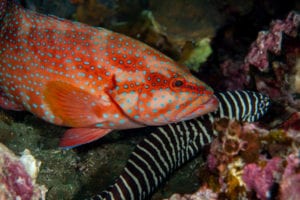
(253, 45)
(18, 176)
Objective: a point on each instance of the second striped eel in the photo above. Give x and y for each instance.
(170, 146)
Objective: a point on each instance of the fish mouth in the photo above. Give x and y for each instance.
(207, 107)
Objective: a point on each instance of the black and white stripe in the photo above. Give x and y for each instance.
(170, 146)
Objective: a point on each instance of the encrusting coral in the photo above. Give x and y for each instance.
(202, 193)
(249, 161)
(18, 176)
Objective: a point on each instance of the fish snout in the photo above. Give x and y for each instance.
(211, 105)
(198, 108)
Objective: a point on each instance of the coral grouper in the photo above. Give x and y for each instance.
(91, 79)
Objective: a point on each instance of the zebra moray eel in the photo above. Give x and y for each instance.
(170, 146)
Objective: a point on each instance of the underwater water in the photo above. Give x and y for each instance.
(217, 40)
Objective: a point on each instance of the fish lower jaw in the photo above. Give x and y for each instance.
(210, 106)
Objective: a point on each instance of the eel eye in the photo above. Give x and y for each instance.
(178, 83)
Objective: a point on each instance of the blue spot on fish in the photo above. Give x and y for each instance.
(99, 125)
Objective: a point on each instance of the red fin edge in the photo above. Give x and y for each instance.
(78, 136)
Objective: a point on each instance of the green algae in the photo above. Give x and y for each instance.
(196, 54)
(68, 174)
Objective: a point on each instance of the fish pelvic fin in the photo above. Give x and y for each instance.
(78, 136)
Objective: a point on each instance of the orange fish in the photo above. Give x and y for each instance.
(91, 79)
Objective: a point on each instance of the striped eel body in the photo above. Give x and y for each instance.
(170, 146)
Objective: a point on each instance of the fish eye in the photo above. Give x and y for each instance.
(178, 83)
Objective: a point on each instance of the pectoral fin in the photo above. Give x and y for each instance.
(73, 105)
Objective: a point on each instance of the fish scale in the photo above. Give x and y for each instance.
(91, 79)
(168, 147)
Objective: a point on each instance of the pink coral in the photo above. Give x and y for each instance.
(290, 188)
(233, 140)
(17, 177)
(271, 41)
(290, 183)
(17, 180)
(237, 73)
(203, 193)
(260, 179)
(212, 162)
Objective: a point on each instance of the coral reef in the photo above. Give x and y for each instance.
(271, 41)
(277, 79)
(261, 179)
(246, 161)
(202, 193)
(195, 54)
(253, 165)
(18, 176)
(92, 12)
(271, 66)
(281, 83)
(290, 181)
(68, 174)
